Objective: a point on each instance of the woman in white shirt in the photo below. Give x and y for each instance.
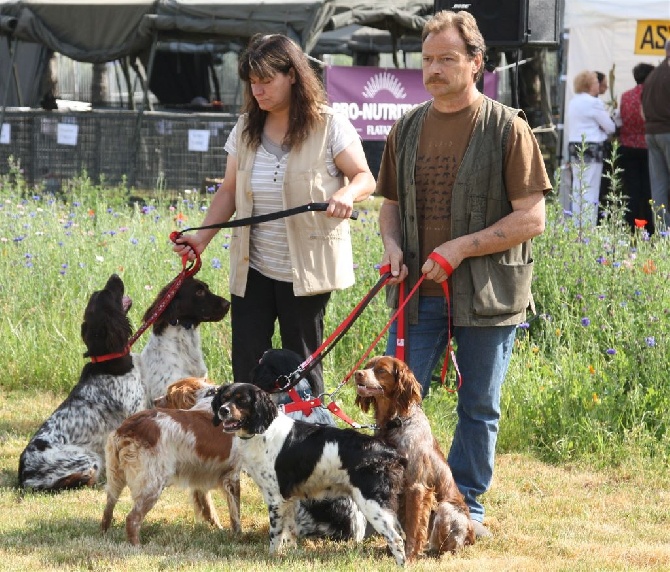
(589, 126)
(287, 149)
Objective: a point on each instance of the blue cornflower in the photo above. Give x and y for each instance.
(586, 322)
(650, 341)
(523, 325)
(610, 351)
(133, 240)
(216, 263)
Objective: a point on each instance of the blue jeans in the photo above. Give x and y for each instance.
(483, 355)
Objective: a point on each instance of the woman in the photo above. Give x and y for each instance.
(590, 123)
(634, 154)
(287, 149)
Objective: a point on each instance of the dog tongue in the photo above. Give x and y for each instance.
(126, 302)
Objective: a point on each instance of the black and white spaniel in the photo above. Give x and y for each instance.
(68, 450)
(174, 349)
(291, 460)
(334, 518)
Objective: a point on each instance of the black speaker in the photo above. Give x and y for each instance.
(503, 23)
(544, 23)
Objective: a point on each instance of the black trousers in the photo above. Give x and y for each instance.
(253, 320)
(635, 177)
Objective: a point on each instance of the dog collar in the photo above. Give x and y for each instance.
(108, 357)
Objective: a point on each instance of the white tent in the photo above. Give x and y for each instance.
(614, 34)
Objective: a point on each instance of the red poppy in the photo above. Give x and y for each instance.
(640, 222)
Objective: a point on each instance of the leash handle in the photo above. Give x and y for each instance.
(247, 221)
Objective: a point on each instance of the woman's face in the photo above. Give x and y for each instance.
(273, 94)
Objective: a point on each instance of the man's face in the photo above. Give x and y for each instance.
(447, 68)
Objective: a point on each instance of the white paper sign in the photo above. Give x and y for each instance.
(6, 134)
(67, 134)
(198, 140)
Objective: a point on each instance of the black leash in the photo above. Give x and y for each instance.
(309, 207)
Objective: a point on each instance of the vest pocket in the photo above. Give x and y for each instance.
(500, 288)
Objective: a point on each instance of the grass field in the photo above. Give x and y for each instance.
(582, 474)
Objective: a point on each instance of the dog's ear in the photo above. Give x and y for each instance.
(181, 398)
(216, 405)
(364, 403)
(168, 315)
(263, 412)
(409, 389)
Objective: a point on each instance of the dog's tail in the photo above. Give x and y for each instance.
(116, 476)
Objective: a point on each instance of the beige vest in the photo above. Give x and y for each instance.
(319, 247)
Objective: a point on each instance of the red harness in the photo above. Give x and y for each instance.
(306, 407)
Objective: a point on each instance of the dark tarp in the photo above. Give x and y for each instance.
(104, 30)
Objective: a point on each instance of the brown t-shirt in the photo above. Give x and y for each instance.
(442, 144)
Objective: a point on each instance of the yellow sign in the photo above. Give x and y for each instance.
(651, 36)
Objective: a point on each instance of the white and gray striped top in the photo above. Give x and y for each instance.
(268, 246)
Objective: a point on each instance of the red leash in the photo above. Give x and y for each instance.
(173, 288)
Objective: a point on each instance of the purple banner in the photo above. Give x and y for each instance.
(375, 98)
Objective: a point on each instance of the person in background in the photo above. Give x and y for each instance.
(602, 83)
(589, 121)
(605, 177)
(287, 149)
(656, 109)
(634, 157)
(463, 179)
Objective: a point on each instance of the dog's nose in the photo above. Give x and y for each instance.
(224, 411)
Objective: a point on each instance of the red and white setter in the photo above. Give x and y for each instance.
(160, 447)
(431, 506)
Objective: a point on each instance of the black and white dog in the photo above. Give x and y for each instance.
(291, 460)
(174, 349)
(334, 518)
(68, 450)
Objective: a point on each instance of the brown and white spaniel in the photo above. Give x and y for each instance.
(431, 506)
(160, 447)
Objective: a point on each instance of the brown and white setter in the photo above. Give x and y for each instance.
(431, 506)
(174, 349)
(173, 446)
(292, 460)
(68, 450)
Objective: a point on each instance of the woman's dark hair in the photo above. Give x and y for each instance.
(641, 71)
(265, 57)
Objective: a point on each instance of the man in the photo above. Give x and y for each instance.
(656, 110)
(463, 177)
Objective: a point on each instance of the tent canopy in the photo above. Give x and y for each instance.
(98, 31)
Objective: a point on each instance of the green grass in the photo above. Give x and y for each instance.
(581, 480)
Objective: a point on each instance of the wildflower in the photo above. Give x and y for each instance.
(133, 240)
(148, 287)
(586, 322)
(181, 217)
(610, 351)
(355, 266)
(649, 267)
(523, 325)
(99, 258)
(558, 332)
(216, 263)
(650, 341)
(640, 223)
(596, 399)
(91, 212)
(601, 260)
(592, 370)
